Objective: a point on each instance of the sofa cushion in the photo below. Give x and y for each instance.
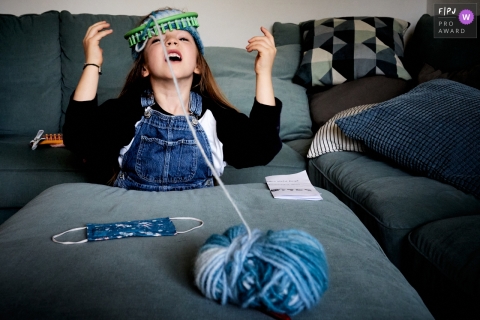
(233, 69)
(432, 130)
(25, 173)
(116, 53)
(152, 277)
(445, 266)
(326, 103)
(35, 171)
(336, 50)
(390, 201)
(30, 86)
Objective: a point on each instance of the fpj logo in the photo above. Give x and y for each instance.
(455, 20)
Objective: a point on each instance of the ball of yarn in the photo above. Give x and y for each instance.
(281, 271)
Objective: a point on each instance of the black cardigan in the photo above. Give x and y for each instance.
(97, 133)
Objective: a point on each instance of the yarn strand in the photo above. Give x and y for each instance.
(283, 271)
(177, 88)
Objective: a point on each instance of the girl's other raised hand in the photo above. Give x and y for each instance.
(265, 45)
(88, 83)
(91, 42)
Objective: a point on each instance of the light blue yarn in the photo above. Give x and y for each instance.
(282, 271)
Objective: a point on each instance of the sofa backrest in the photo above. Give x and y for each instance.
(117, 59)
(45, 53)
(31, 76)
(233, 69)
(445, 54)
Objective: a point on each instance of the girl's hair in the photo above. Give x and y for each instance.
(204, 83)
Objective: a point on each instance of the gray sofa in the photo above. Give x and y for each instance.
(47, 191)
(428, 228)
(38, 83)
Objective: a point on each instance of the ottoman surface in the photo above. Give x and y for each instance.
(152, 277)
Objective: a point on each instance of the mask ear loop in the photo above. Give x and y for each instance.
(188, 218)
(54, 238)
(215, 174)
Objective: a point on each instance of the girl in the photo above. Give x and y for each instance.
(147, 139)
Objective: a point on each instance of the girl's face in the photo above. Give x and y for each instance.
(182, 53)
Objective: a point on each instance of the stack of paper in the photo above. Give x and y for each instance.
(292, 186)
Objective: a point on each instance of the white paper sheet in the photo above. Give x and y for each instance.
(292, 186)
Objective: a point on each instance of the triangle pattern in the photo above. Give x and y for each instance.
(387, 56)
(338, 41)
(337, 78)
(326, 22)
(379, 23)
(327, 45)
(370, 21)
(338, 22)
(361, 25)
(372, 40)
(327, 78)
(364, 52)
(363, 35)
(322, 29)
(322, 39)
(320, 55)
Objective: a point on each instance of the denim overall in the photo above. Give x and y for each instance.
(163, 155)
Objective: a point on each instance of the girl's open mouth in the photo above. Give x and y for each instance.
(174, 56)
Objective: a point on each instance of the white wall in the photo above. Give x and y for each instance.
(232, 22)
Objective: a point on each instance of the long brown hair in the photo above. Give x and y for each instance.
(204, 82)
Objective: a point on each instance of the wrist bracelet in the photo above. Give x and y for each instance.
(95, 65)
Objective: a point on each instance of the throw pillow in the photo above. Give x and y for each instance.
(324, 105)
(330, 138)
(432, 129)
(341, 49)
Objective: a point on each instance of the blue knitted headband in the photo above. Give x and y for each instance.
(166, 20)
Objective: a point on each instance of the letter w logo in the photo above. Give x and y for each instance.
(466, 16)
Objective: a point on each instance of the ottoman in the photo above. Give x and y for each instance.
(153, 277)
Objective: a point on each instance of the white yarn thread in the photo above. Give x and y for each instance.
(215, 174)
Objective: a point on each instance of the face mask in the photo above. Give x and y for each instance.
(138, 228)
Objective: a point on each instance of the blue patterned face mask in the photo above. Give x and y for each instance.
(138, 228)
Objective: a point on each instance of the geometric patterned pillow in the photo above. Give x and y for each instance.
(433, 130)
(342, 49)
(330, 138)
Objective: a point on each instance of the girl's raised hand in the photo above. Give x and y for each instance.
(88, 83)
(91, 42)
(265, 45)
